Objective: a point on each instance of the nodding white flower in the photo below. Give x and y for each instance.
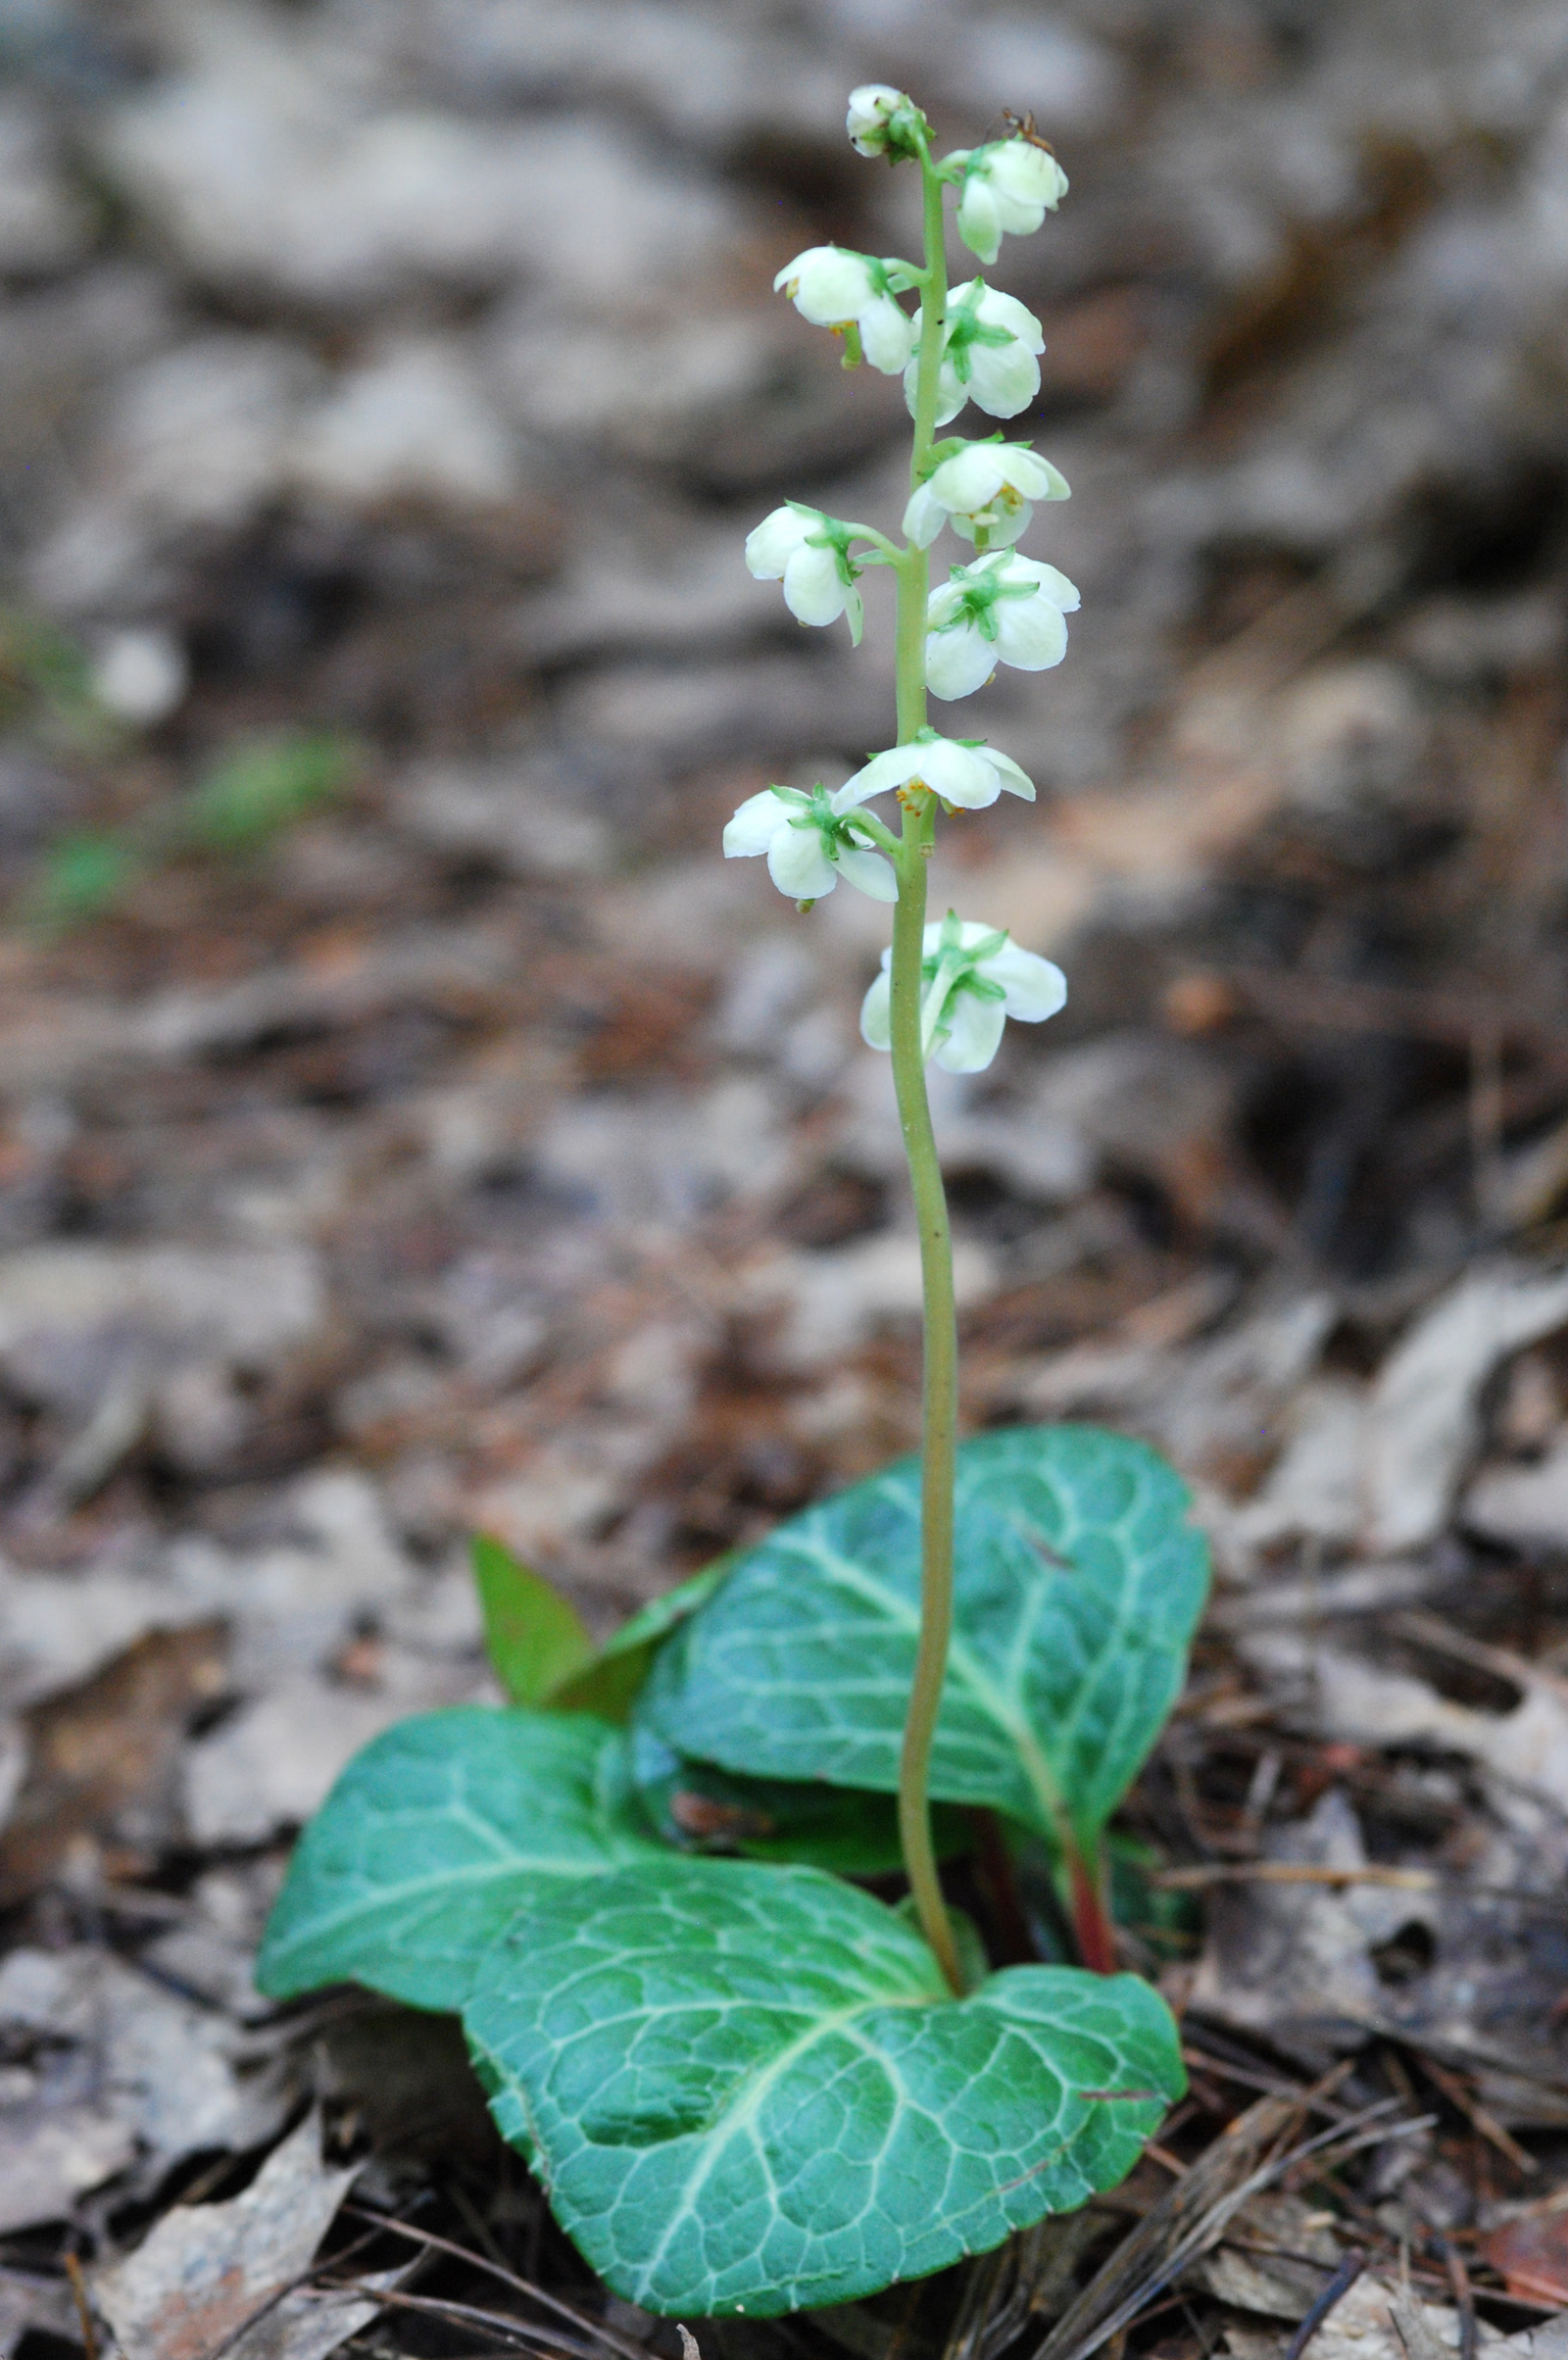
(835, 288)
(1009, 189)
(809, 553)
(884, 121)
(987, 353)
(807, 844)
(984, 490)
(972, 979)
(1003, 608)
(965, 771)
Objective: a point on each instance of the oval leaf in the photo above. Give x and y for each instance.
(747, 2088)
(1078, 1584)
(435, 1835)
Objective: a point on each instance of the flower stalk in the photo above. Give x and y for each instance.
(939, 1407)
(948, 987)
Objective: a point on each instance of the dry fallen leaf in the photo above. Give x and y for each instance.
(212, 2277)
(100, 1757)
(1533, 2257)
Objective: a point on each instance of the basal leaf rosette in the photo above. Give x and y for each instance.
(747, 2088)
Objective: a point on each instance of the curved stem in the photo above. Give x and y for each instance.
(940, 1395)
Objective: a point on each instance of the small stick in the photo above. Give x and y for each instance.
(1475, 2115)
(1463, 2294)
(1339, 2286)
(77, 2279)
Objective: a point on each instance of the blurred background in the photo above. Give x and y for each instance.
(411, 1121)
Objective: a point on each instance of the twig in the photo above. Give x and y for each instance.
(520, 2286)
(77, 2280)
(1490, 2130)
(1293, 1871)
(518, 2332)
(1339, 2286)
(1463, 2294)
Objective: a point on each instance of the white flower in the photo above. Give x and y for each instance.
(1003, 608)
(811, 554)
(1008, 187)
(809, 845)
(961, 770)
(835, 288)
(881, 121)
(973, 978)
(985, 487)
(987, 353)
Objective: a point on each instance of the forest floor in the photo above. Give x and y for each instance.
(412, 1126)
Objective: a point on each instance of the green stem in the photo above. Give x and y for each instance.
(939, 1395)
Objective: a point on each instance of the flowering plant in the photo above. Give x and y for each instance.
(748, 2084)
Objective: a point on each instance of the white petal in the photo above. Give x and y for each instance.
(1036, 988)
(886, 336)
(1003, 378)
(797, 864)
(1055, 586)
(1026, 172)
(1007, 522)
(1017, 219)
(830, 284)
(979, 221)
(884, 770)
(870, 872)
(971, 478)
(813, 591)
(974, 1033)
(770, 545)
(959, 774)
(754, 825)
(1010, 777)
(996, 310)
(1031, 633)
(876, 1013)
(924, 517)
(957, 663)
(1035, 478)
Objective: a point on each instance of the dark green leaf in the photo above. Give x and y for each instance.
(611, 1684)
(747, 2088)
(700, 1808)
(532, 1635)
(435, 1835)
(1078, 1584)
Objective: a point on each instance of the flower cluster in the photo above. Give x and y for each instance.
(973, 978)
(809, 845)
(1008, 188)
(997, 608)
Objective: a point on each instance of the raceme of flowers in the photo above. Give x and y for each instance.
(972, 979)
(808, 845)
(998, 608)
(1004, 609)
